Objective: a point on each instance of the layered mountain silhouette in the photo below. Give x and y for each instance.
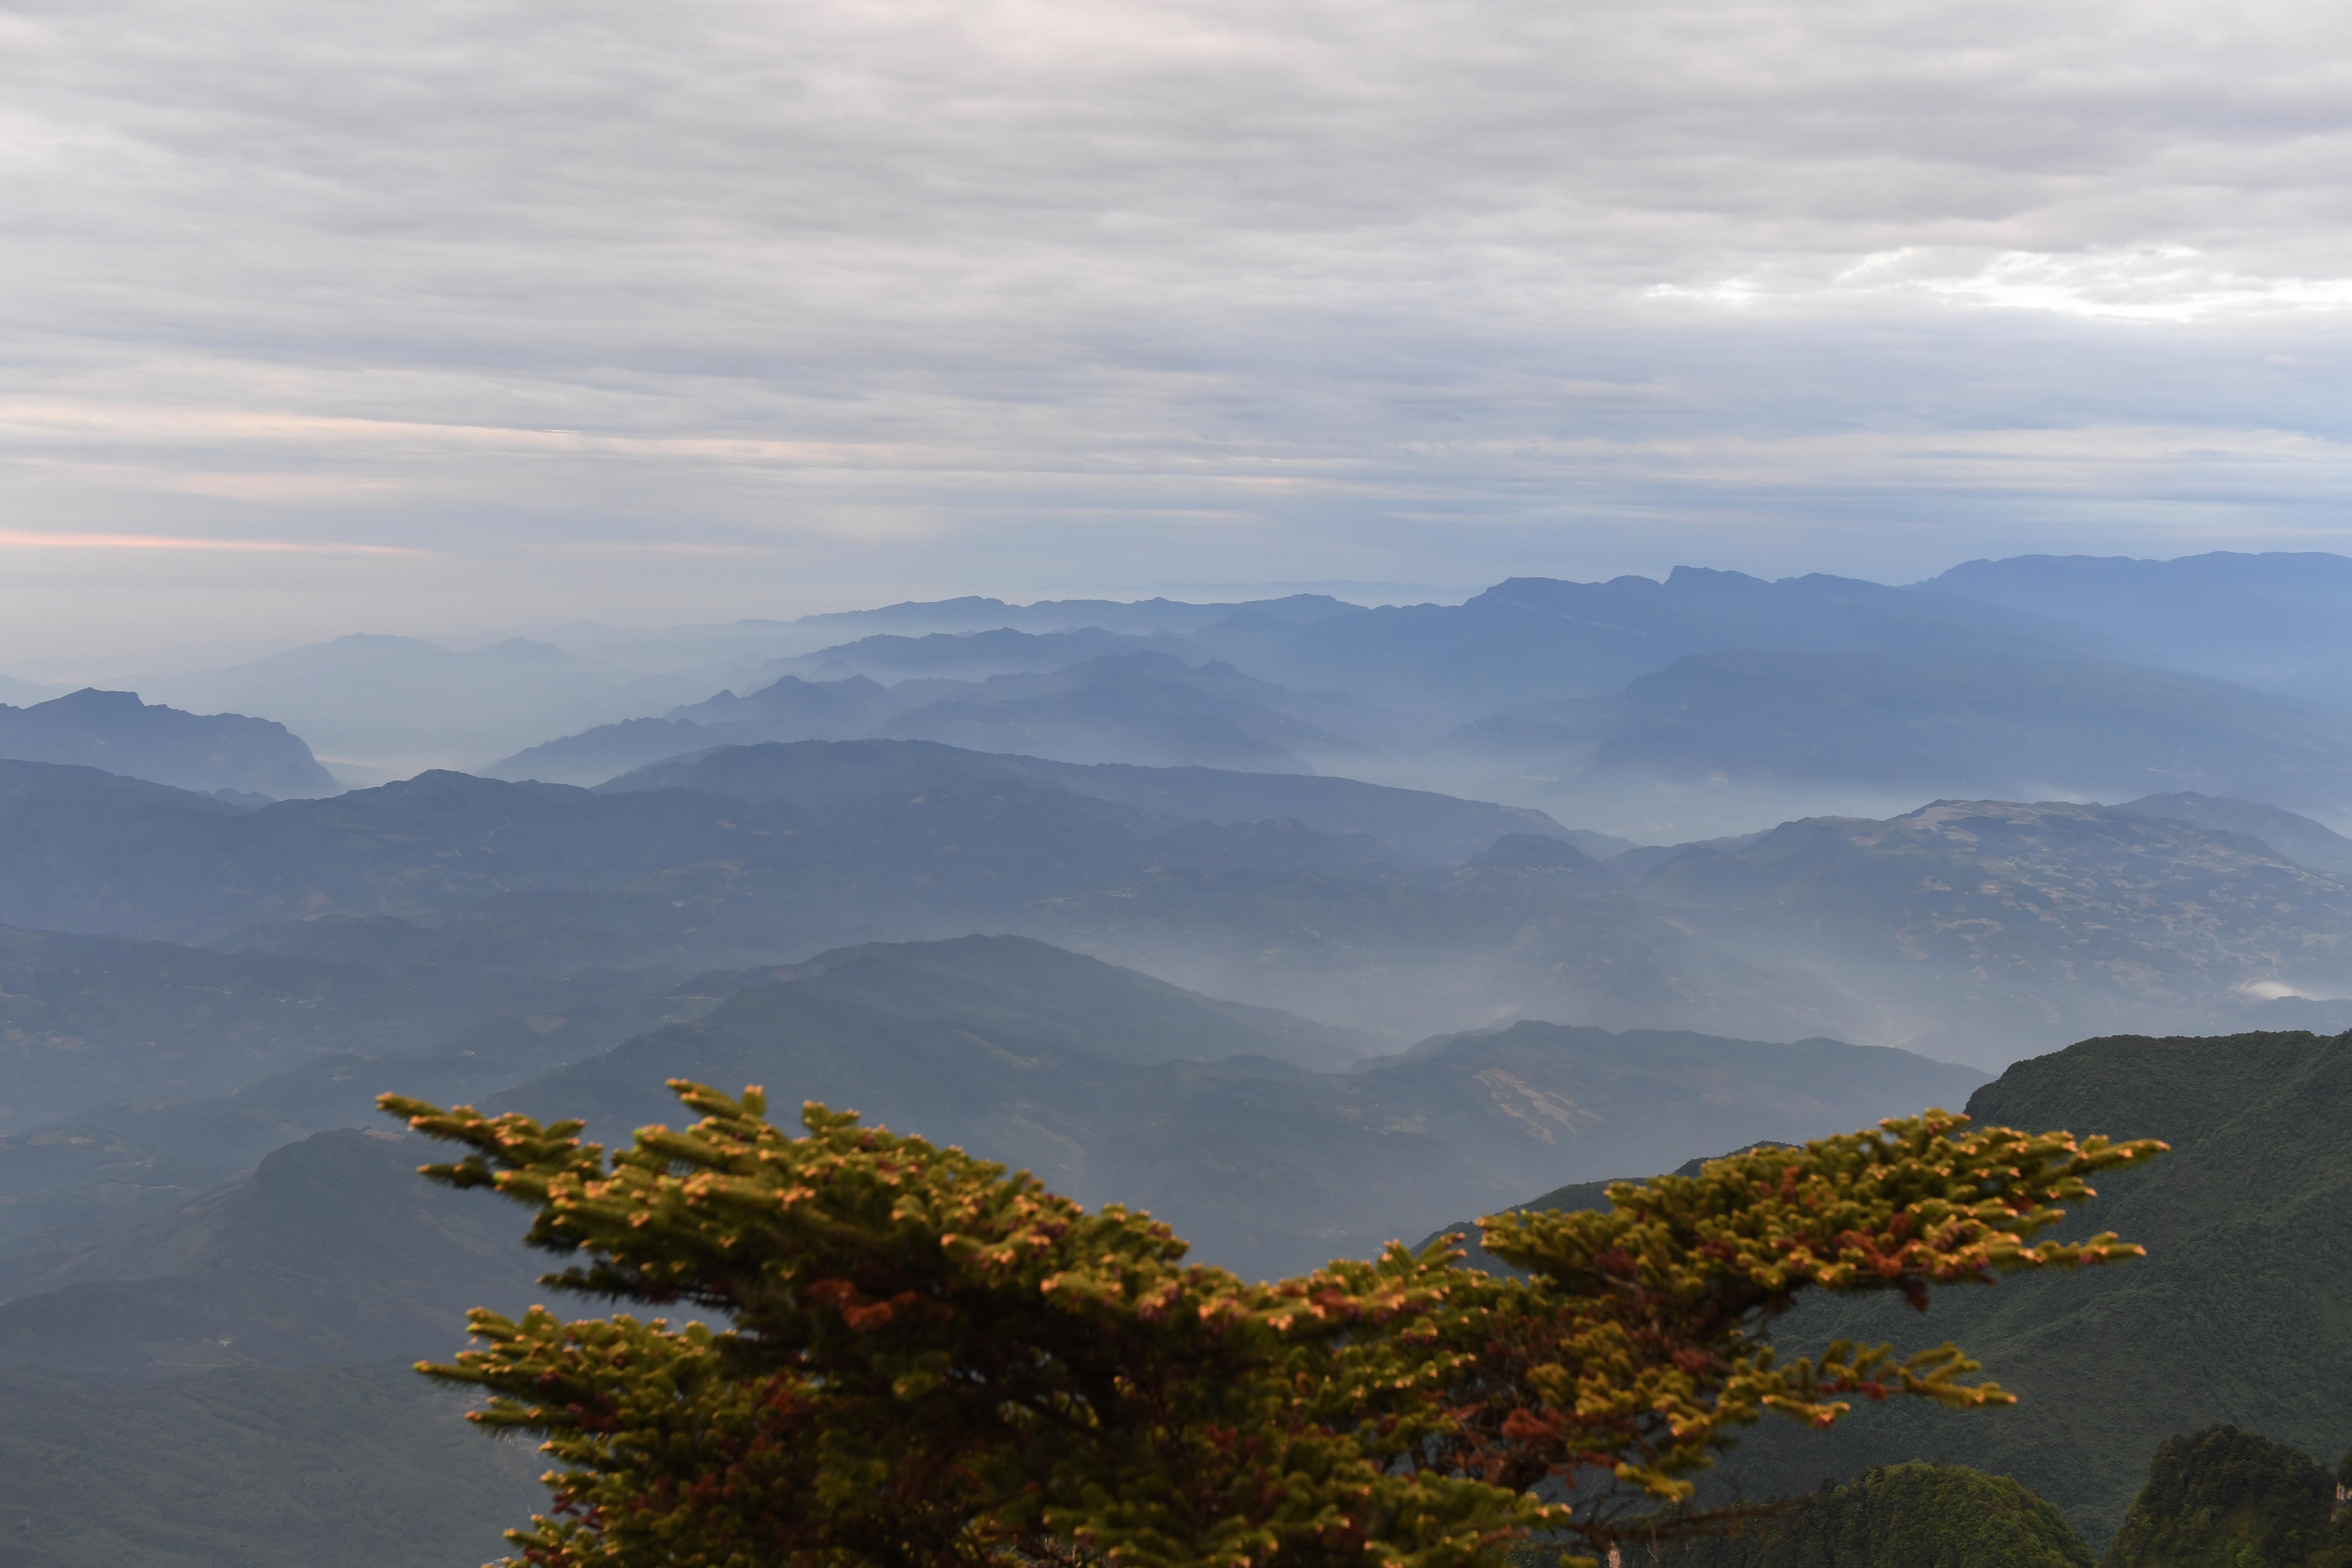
(1272, 1142)
(1972, 930)
(1537, 638)
(1162, 901)
(2272, 619)
(1114, 1087)
(86, 1019)
(1147, 708)
(114, 731)
(742, 646)
(1581, 695)
(1419, 823)
(2045, 721)
(381, 706)
(976, 656)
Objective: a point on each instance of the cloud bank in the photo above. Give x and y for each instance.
(716, 308)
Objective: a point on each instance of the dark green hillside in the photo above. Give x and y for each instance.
(2240, 1312)
(1902, 1516)
(321, 1467)
(2222, 1499)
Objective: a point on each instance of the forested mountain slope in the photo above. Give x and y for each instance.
(2238, 1315)
(1901, 1516)
(2225, 1497)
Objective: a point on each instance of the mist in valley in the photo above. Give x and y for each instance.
(1320, 624)
(1299, 968)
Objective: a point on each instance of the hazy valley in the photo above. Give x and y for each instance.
(1304, 925)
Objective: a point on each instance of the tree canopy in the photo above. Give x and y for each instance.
(2225, 1497)
(908, 1357)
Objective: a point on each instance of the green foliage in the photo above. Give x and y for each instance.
(926, 1359)
(1901, 1516)
(2227, 1498)
(1061, 1065)
(2240, 1313)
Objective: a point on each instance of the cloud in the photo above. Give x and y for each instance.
(1416, 291)
(22, 538)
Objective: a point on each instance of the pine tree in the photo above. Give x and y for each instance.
(921, 1359)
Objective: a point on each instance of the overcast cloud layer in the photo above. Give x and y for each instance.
(328, 316)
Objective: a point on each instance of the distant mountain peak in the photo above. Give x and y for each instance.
(90, 700)
(203, 753)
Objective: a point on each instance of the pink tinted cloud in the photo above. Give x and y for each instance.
(21, 539)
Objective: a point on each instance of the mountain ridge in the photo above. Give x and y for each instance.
(116, 731)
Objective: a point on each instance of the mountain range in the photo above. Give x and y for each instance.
(1706, 703)
(1149, 707)
(2237, 1313)
(1637, 706)
(2274, 620)
(1971, 931)
(279, 1292)
(134, 1339)
(1303, 924)
(1275, 1142)
(247, 760)
(381, 707)
(2051, 720)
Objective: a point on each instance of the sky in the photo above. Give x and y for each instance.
(450, 318)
